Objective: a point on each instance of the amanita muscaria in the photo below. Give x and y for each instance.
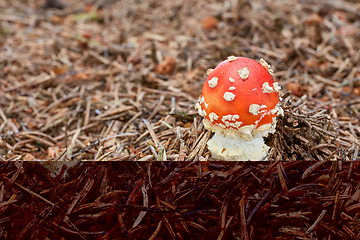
(240, 104)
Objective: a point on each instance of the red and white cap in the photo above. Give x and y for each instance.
(240, 98)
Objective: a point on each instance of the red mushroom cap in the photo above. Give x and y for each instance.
(240, 96)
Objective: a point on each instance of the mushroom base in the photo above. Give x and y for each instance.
(237, 149)
(56, 166)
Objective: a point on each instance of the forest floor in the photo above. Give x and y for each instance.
(113, 84)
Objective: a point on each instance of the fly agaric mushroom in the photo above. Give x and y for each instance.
(240, 103)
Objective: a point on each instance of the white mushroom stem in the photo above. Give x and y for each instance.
(237, 149)
(240, 145)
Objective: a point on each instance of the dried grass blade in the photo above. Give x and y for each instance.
(311, 228)
(156, 232)
(157, 107)
(169, 228)
(35, 194)
(244, 227)
(72, 143)
(336, 206)
(310, 169)
(41, 140)
(200, 147)
(81, 195)
(126, 125)
(257, 207)
(282, 180)
(152, 132)
(3, 204)
(31, 82)
(145, 204)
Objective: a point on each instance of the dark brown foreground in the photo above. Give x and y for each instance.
(189, 200)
